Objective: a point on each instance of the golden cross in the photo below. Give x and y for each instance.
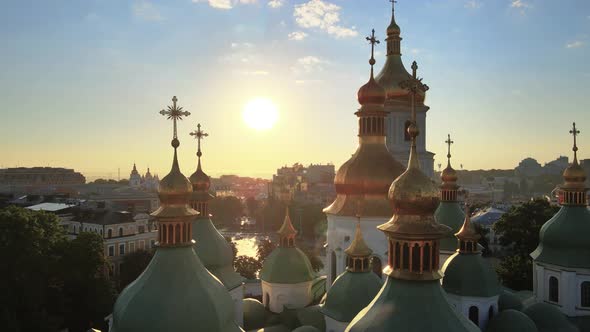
(575, 133)
(199, 135)
(372, 40)
(449, 142)
(414, 84)
(393, 2)
(175, 113)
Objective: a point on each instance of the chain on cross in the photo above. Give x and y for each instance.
(449, 142)
(175, 113)
(199, 135)
(575, 133)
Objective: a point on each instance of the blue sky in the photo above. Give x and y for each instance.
(82, 81)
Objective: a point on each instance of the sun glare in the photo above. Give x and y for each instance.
(260, 114)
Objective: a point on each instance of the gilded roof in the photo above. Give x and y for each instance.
(358, 247)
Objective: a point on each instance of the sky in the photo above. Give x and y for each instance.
(82, 81)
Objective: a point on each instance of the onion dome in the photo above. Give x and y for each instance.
(134, 170)
(563, 241)
(548, 318)
(200, 180)
(354, 289)
(148, 175)
(255, 314)
(175, 287)
(449, 177)
(287, 264)
(393, 71)
(508, 300)
(368, 173)
(467, 273)
(511, 321)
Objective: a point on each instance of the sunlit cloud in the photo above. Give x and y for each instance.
(575, 44)
(473, 4)
(520, 5)
(297, 35)
(309, 64)
(276, 3)
(146, 11)
(253, 72)
(324, 16)
(225, 4)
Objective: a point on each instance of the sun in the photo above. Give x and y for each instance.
(260, 114)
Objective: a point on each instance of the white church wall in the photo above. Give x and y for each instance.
(276, 296)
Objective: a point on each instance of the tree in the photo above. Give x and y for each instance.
(265, 247)
(226, 211)
(247, 266)
(314, 259)
(483, 240)
(519, 234)
(233, 246)
(133, 265)
(252, 206)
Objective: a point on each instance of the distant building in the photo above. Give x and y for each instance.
(529, 167)
(40, 176)
(556, 166)
(147, 182)
(314, 183)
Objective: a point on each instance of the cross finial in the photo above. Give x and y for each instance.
(175, 113)
(449, 142)
(372, 40)
(414, 84)
(575, 133)
(393, 2)
(199, 135)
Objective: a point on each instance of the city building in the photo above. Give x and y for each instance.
(146, 182)
(40, 176)
(313, 184)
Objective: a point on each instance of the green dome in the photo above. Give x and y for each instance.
(254, 314)
(351, 293)
(171, 294)
(563, 239)
(411, 306)
(508, 300)
(286, 265)
(306, 328)
(470, 275)
(548, 318)
(450, 214)
(215, 252)
(312, 316)
(511, 321)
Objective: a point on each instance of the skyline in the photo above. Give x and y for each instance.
(74, 69)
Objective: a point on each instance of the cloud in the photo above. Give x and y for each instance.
(225, 4)
(276, 3)
(309, 64)
(253, 72)
(520, 4)
(575, 44)
(146, 11)
(324, 16)
(297, 35)
(472, 4)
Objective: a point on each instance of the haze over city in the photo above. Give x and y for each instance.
(84, 81)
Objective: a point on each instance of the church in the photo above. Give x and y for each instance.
(402, 252)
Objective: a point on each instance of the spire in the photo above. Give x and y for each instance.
(371, 94)
(200, 180)
(358, 253)
(174, 214)
(199, 135)
(449, 177)
(573, 191)
(467, 235)
(287, 232)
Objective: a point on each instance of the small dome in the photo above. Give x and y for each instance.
(254, 314)
(414, 192)
(470, 275)
(548, 318)
(286, 265)
(174, 182)
(511, 321)
(449, 175)
(574, 175)
(349, 294)
(371, 93)
(509, 301)
(199, 180)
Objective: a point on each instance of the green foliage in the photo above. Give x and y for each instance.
(265, 247)
(226, 211)
(314, 258)
(233, 246)
(483, 240)
(518, 231)
(247, 266)
(47, 282)
(133, 265)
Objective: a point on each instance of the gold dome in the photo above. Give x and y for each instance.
(358, 247)
(467, 231)
(371, 93)
(200, 180)
(574, 175)
(449, 175)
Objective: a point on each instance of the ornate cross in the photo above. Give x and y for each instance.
(414, 84)
(575, 133)
(199, 135)
(175, 113)
(449, 142)
(372, 40)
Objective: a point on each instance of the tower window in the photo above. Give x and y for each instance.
(332, 267)
(491, 313)
(376, 264)
(474, 315)
(553, 289)
(120, 231)
(585, 294)
(416, 258)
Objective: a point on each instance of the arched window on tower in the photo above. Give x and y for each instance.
(376, 266)
(332, 267)
(585, 294)
(109, 233)
(120, 231)
(474, 315)
(553, 289)
(490, 313)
